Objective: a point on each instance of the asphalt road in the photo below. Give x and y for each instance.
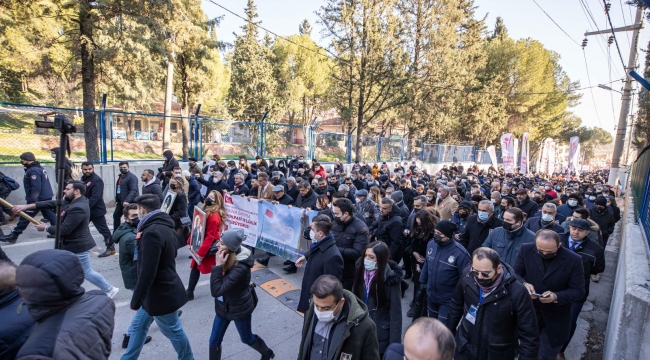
(275, 319)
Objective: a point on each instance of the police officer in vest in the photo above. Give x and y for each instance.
(37, 188)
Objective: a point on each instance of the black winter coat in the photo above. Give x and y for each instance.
(285, 200)
(168, 167)
(293, 192)
(159, 290)
(605, 220)
(387, 319)
(36, 184)
(593, 258)
(194, 191)
(389, 228)
(324, 259)
(179, 209)
(409, 195)
(564, 277)
(351, 238)
(154, 188)
(506, 320)
(528, 207)
(95, 195)
(71, 323)
(476, 232)
(535, 224)
(443, 266)
(231, 291)
(219, 187)
(308, 201)
(16, 324)
(241, 190)
(75, 233)
(128, 188)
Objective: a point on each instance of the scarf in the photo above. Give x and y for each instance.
(145, 218)
(488, 290)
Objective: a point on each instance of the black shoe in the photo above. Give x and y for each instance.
(288, 262)
(147, 339)
(405, 286)
(215, 353)
(190, 295)
(50, 236)
(264, 260)
(291, 269)
(109, 251)
(12, 238)
(411, 312)
(179, 312)
(125, 341)
(260, 346)
(408, 276)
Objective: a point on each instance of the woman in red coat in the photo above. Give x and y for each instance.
(214, 224)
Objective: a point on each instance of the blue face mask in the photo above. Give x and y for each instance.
(483, 215)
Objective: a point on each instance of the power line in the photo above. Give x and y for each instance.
(590, 19)
(556, 24)
(593, 99)
(614, 35)
(611, 93)
(625, 22)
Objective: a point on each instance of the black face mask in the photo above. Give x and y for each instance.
(172, 186)
(463, 215)
(485, 282)
(507, 226)
(337, 219)
(547, 256)
(438, 239)
(124, 171)
(134, 222)
(209, 202)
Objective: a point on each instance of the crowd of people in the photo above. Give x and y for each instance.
(526, 245)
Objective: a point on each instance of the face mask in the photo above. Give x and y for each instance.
(592, 198)
(141, 216)
(325, 316)
(547, 217)
(430, 198)
(483, 215)
(53, 156)
(573, 203)
(215, 180)
(124, 171)
(547, 187)
(369, 264)
(177, 175)
(463, 215)
(439, 196)
(508, 226)
(358, 200)
(312, 236)
(557, 188)
(337, 219)
(485, 282)
(135, 222)
(172, 186)
(547, 256)
(438, 239)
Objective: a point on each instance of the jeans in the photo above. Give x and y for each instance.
(102, 228)
(576, 307)
(22, 222)
(438, 311)
(169, 325)
(546, 350)
(129, 331)
(90, 274)
(244, 329)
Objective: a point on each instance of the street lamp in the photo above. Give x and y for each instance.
(608, 88)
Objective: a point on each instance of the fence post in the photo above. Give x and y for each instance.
(438, 156)
(110, 123)
(422, 151)
(263, 134)
(379, 141)
(195, 132)
(200, 131)
(102, 131)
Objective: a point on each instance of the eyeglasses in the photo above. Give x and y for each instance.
(485, 274)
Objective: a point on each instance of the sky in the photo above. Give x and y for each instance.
(523, 19)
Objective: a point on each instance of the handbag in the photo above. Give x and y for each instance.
(185, 221)
(253, 294)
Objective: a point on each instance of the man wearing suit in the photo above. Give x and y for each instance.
(95, 195)
(265, 190)
(445, 203)
(126, 190)
(556, 273)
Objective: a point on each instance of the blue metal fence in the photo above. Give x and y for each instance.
(135, 136)
(640, 182)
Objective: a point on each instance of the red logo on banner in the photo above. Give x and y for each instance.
(269, 213)
(227, 199)
(507, 142)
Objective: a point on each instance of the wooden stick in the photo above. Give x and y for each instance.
(5, 203)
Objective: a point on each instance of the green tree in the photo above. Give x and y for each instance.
(641, 133)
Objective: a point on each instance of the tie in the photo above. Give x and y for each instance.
(573, 246)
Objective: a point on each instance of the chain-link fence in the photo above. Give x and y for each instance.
(640, 183)
(392, 149)
(282, 140)
(329, 146)
(229, 139)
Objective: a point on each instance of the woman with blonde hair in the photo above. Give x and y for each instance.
(215, 213)
(375, 194)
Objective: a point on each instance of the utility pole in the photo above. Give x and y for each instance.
(626, 99)
(168, 104)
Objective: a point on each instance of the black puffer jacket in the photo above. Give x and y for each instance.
(351, 238)
(387, 319)
(506, 320)
(308, 201)
(529, 207)
(475, 232)
(16, 324)
(389, 228)
(231, 291)
(71, 323)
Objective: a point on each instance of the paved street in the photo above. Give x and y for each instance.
(275, 319)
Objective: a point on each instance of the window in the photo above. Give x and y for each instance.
(173, 127)
(137, 125)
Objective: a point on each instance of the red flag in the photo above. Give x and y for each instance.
(269, 213)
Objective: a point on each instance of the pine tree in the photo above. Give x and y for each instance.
(304, 28)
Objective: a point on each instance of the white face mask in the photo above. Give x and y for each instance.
(572, 202)
(177, 175)
(325, 316)
(312, 236)
(369, 264)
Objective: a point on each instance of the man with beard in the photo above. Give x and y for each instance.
(74, 230)
(526, 205)
(95, 195)
(126, 190)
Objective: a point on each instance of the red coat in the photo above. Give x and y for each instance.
(321, 172)
(212, 234)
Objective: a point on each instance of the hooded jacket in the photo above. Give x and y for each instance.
(354, 335)
(507, 243)
(158, 290)
(351, 238)
(125, 237)
(388, 319)
(231, 291)
(71, 323)
(16, 325)
(168, 166)
(506, 320)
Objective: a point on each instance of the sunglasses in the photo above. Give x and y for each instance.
(485, 274)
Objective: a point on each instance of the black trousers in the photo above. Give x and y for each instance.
(117, 215)
(102, 228)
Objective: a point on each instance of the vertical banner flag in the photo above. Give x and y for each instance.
(523, 165)
(551, 157)
(242, 213)
(574, 151)
(493, 155)
(515, 149)
(543, 166)
(508, 153)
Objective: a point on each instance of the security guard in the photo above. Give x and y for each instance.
(95, 195)
(37, 188)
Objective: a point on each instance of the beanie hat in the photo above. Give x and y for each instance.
(446, 227)
(27, 156)
(477, 198)
(397, 196)
(383, 178)
(466, 205)
(601, 201)
(186, 173)
(362, 192)
(233, 239)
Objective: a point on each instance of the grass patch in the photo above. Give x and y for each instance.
(16, 121)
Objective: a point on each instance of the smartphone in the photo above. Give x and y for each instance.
(540, 295)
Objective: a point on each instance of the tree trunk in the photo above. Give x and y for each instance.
(168, 105)
(129, 126)
(88, 84)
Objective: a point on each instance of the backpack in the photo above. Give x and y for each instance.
(11, 183)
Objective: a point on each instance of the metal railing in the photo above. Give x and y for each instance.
(640, 183)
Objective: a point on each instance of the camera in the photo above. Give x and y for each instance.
(61, 123)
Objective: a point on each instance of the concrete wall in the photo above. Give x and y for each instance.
(628, 326)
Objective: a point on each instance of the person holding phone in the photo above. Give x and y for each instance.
(554, 278)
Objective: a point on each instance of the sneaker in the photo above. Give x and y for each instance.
(112, 292)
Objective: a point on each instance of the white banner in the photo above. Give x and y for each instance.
(508, 153)
(493, 156)
(241, 212)
(551, 157)
(574, 153)
(523, 165)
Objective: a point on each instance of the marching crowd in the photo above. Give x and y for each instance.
(499, 264)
